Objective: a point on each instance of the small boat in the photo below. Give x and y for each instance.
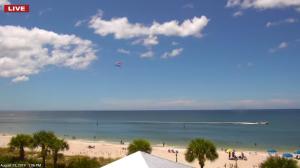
(263, 123)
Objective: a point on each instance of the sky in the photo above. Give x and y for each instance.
(150, 54)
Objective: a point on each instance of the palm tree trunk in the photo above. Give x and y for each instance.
(44, 161)
(201, 163)
(44, 153)
(22, 153)
(54, 159)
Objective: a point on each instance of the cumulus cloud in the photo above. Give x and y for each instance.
(147, 41)
(25, 52)
(280, 46)
(150, 41)
(123, 51)
(20, 79)
(280, 22)
(121, 28)
(263, 4)
(148, 54)
(2, 2)
(175, 52)
(238, 14)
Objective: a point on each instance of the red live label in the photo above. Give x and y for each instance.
(16, 8)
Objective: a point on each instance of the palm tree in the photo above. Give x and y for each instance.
(279, 162)
(43, 139)
(21, 141)
(139, 145)
(56, 146)
(202, 150)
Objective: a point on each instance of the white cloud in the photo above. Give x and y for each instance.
(238, 13)
(173, 53)
(283, 45)
(174, 43)
(146, 41)
(20, 79)
(26, 52)
(148, 54)
(280, 46)
(231, 3)
(79, 23)
(121, 28)
(263, 4)
(3, 2)
(123, 51)
(280, 22)
(150, 41)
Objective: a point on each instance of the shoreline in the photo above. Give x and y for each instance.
(180, 146)
(112, 149)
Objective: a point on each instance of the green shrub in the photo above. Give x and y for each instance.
(82, 162)
(278, 162)
(104, 161)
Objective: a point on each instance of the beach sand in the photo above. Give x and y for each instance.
(115, 150)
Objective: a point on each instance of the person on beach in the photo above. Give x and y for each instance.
(163, 144)
(243, 156)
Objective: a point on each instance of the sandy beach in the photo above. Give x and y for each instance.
(115, 150)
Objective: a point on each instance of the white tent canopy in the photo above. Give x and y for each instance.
(144, 160)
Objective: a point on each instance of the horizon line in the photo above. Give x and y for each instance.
(70, 110)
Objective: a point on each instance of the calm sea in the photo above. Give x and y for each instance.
(227, 128)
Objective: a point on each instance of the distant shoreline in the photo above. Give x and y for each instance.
(126, 110)
(180, 146)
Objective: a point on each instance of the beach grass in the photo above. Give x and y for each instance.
(10, 157)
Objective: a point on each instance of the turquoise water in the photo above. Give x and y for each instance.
(227, 128)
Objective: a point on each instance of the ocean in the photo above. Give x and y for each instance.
(226, 128)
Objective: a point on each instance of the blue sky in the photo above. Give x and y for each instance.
(199, 54)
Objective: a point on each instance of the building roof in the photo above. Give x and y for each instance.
(144, 160)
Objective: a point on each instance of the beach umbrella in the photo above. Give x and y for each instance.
(229, 150)
(272, 151)
(287, 155)
(297, 152)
